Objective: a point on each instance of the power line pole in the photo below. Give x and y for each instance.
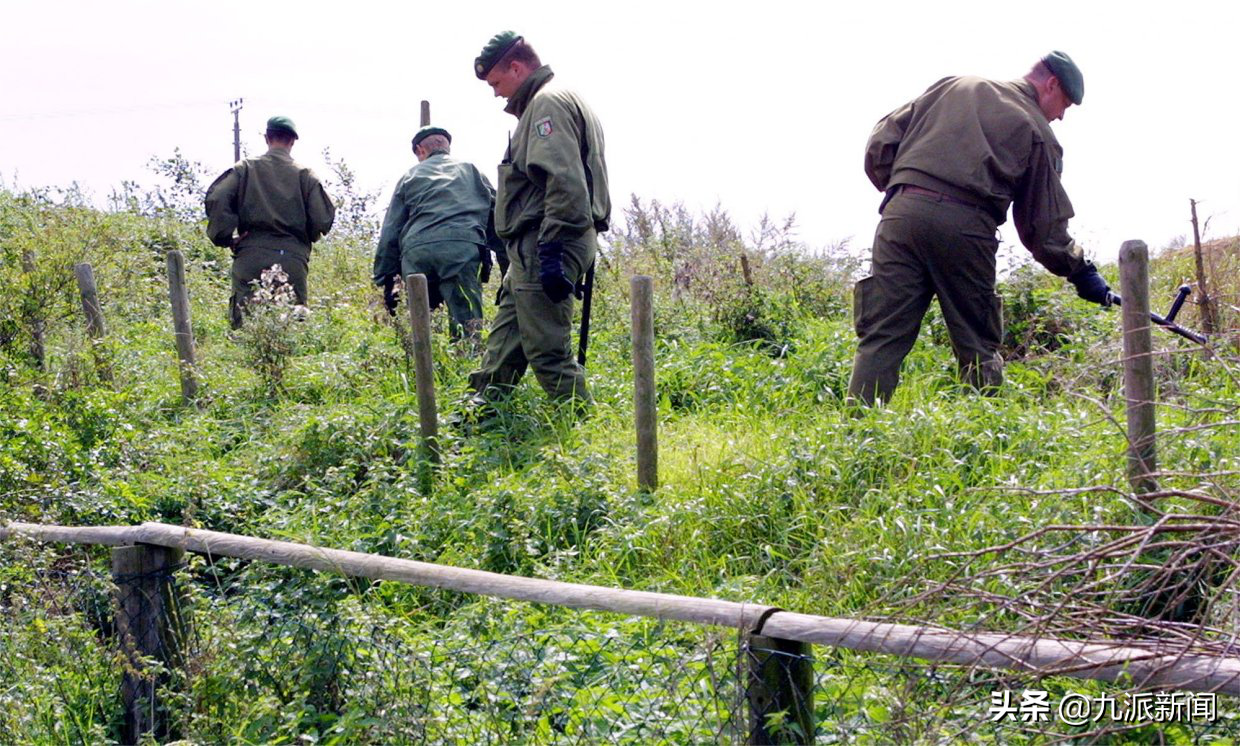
(236, 111)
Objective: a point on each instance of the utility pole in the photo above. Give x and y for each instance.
(426, 113)
(236, 111)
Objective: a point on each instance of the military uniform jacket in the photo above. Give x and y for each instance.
(439, 199)
(553, 179)
(987, 143)
(281, 205)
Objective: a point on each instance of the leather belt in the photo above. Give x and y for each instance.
(923, 192)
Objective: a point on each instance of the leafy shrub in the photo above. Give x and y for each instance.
(274, 328)
(1040, 316)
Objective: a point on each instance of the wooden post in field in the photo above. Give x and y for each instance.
(1204, 301)
(1139, 391)
(780, 680)
(181, 326)
(426, 113)
(148, 626)
(420, 316)
(90, 300)
(95, 327)
(38, 325)
(645, 407)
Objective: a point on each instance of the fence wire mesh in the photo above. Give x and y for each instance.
(230, 652)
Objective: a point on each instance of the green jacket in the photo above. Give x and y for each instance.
(279, 204)
(988, 143)
(439, 199)
(553, 179)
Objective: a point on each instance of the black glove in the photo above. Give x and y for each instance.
(1090, 285)
(235, 244)
(434, 298)
(390, 301)
(551, 272)
(484, 256)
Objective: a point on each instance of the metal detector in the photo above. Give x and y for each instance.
(1168, 321)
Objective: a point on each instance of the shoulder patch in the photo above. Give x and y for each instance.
(543, 127)
(1058, 163)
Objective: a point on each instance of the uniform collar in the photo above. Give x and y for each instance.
(1027, 88)
(527, 89)
(280, 153)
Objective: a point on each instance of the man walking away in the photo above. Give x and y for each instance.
(437, 225)
(268, 210)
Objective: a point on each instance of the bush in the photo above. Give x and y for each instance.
(1040, 316)
(275, 328)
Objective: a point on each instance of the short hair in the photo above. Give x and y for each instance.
(1039, 72)
(521, 52)
(284, 137)
(436, 144)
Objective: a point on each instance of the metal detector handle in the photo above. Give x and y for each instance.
(1180, 296)
(1163, 321)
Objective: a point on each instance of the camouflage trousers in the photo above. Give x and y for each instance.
(926, 248)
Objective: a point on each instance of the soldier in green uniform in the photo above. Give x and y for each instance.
(552, 203)
(437, 225)
(950, 163)
(268, 210)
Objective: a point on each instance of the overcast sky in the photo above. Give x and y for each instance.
(760, 107)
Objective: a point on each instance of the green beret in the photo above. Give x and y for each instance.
(494, 51)
(427, 131)
(282, 124)
(1070, 78)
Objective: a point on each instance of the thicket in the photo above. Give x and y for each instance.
(771, 490)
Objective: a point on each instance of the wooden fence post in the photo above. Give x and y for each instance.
(95, 326)
(1139, 391)
(38, 324)
(149, 627)
(420, 318)
(780, 680)
(645, 405)
(181, 326)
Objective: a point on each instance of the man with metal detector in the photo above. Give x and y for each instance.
(439, 224)
(950, 163)
(551, 204)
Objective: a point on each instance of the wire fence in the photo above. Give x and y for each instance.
(252, 653)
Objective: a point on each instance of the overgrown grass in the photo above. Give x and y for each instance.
(771, 489)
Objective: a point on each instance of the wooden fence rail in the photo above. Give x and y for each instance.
(1165, 667)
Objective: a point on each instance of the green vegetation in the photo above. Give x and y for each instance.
(771, 490)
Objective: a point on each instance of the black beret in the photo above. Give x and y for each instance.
(427, 131)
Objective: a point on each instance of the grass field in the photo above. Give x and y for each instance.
(771, 489)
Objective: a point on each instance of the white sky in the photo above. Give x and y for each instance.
(759, 106)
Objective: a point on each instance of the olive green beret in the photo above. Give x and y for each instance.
(427, 131)
(1062, 66)
(494, 51)
(282, 124)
